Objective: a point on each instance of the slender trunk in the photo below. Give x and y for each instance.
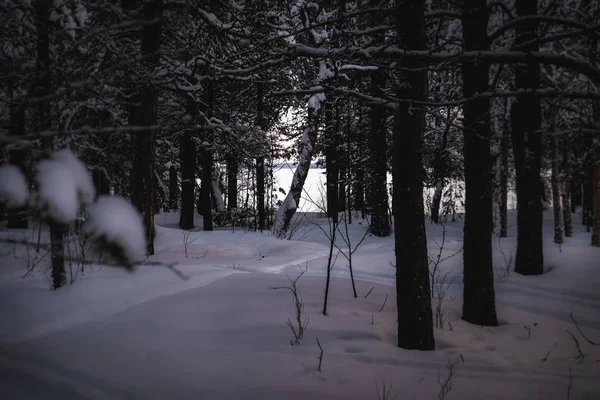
(377, 164)
(359, 177)
(260, 162)
(556, 205)
(332, 162)
(59, 276)
(187, 156)
(205, 189)
(527, 148)
(566, 192)
(215, 191)
(479, 299)
(286, 211)
(588, 198)
(173, 188)
(596, 187)
(504, 170)
(17, 217)
(439, 172)
(415, 318)
(145, 113)
(232, 183)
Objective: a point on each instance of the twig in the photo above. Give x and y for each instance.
(320, 355)
(580, 331)
(385, 301)
(447, 383)
(546, 356)
(580, 356)
(369, 292)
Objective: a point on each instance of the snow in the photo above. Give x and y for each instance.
(115, 221)
(57, 190)
(222, 333)
(82, 179)
(13, 186)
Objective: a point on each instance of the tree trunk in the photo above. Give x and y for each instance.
(556, 205)
(145, 114)
(332, 139)
(504, 170)
(566, 192)
(59, 276)
(205, 189)
(415, 319)
(479, 299)
(588, 197)
(260, 161)
(232, 183)
(173, 188)
(17, 217)
(377, 162)
(187, 155)
(286, 211)
(527, 149)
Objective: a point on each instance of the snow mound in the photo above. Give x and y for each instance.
(85, 186)
(13, 186)
(116, 226)
(57, 190)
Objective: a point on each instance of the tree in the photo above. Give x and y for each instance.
(479, 302)
(415, 318)
(527, 148)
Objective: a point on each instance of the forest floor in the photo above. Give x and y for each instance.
(222, 333)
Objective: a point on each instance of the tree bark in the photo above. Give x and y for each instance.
(232, 183)
(59, 276)
(173, 188)
(332, 139)
(596, 186)
(566, 192)
(377, 162)
(17, 217)
(479, 299)
(145, 114)
(504, 170)
(556, 196)
(439, 165)
(527, 149)
(187, 156)
(415, 318)
(260, 161)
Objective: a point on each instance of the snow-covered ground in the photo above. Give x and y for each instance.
(222, 333)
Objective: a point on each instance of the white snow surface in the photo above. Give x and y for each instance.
(222, 333)
(83, 181)
(13, 186)
(57, 190)
(116, 220)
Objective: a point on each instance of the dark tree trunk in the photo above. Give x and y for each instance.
(260, 161)
(556, 197)
(415, 319)
(588, 197)
(57, 256)
(505, 148)
(566, 192)
(527, 149)
(187, 155)
(331, 159)
(377, 162)
(596, 188)
(173, 188)
(479, 299)
(232, 183)
(17, 217)
(143, 174)
(101, 182)
(205, 189)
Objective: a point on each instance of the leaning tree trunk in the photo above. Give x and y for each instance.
(556, 197)
(527, 149)
(479, 299)
(59, 276)
(286, 211)
(415, 318)
(377, 162)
